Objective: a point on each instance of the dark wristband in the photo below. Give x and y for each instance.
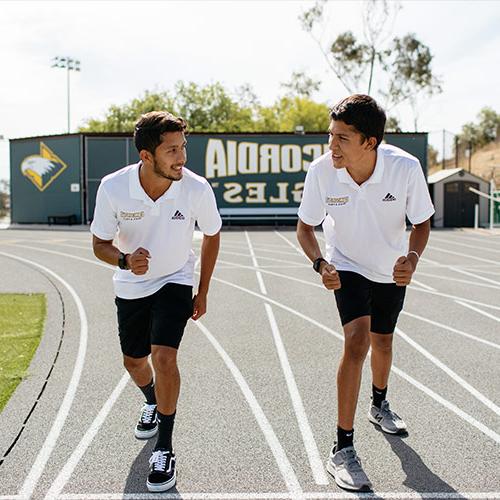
(122, 261)
(317, 263)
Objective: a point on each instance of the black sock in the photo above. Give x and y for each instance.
(165, 429)
(378, 395)
(344, 438)
(149, 392)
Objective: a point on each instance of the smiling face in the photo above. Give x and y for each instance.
(349, 147)
(170, 156)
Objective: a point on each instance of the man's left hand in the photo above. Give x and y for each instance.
(199, 305)
(403, 271)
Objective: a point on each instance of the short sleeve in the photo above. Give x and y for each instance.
(105, 223)
(312, 207)
(419, 205)
(207, 216)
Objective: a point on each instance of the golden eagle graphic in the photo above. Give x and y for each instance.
(42, 169)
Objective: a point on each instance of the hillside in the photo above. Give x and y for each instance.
(482, 163)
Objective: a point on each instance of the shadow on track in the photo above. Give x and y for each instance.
(418, 476)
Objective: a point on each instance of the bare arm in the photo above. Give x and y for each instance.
(104, 250)
(406, 265)
(209, 253)
(309, 243)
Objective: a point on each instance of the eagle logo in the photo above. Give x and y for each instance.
(44, 168)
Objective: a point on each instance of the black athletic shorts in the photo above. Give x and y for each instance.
(157, 319)
(358, 296)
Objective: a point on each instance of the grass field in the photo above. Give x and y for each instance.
(21, 326)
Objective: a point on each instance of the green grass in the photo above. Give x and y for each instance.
(21, 326)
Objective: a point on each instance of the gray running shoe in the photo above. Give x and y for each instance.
(386, 419)
(346, 469)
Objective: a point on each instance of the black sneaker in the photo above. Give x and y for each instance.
(147, 426)
(161, 471)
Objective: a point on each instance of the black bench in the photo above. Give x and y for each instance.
(67, 220)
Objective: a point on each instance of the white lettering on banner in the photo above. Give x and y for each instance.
(230, 158)
(282, 197)
(258, 192)
(247, 158)
(232, 192)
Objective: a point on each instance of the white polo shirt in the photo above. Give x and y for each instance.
(164, 227)
(364, 226)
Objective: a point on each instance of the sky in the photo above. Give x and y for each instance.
(127, 47)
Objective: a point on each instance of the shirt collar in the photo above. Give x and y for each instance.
(137, 192)
(376, 177)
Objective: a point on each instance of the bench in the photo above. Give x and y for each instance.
(67, 220)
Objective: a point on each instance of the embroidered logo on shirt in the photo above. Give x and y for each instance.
(132, 215)
(178, 216)
(389, 197)
(337, 200)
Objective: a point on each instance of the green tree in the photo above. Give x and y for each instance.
(301, 85)
(289, 112)
(4, 197)
(405, 64)
(207, 108)
(486, 130)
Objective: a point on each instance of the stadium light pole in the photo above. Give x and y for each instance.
(68, 64)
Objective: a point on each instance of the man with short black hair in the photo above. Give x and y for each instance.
(152, 207)
(362, 192)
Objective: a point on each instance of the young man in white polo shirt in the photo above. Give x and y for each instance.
(152, 208)
(362, 192)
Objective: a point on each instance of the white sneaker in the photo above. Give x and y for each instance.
(346, 469)
(386, 419)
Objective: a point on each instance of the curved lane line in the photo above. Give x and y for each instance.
(65, 473)
(471, 420)
(50, 442)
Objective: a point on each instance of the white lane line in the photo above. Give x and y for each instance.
(281, 459)
(254, 261)
(471, 420)
(468, 245)
(50, 442)
(423, 285)
(484, 313)
(310, 445)
(313, 495)
(457, 378)
(277, 450)
(467, 255)
(482, 278)
(458, 280)
(65, 473)
(451, 329)
(295, 247)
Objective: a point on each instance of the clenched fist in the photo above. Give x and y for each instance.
(403, 271)
(330, 277)
(138, 262)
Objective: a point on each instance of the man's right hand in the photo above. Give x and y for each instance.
(330, 277)
(138, 262)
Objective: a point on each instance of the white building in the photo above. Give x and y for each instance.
(454, 202)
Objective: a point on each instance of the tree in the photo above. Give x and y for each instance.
(207, 108)
(301, 85)
(392, 124)
(405, 62)
(289, 112)
(485, 131)
(4, 197)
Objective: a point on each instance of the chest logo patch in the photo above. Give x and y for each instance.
(389, 197)
(178, 216)
(337, 201)
(132, 215)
